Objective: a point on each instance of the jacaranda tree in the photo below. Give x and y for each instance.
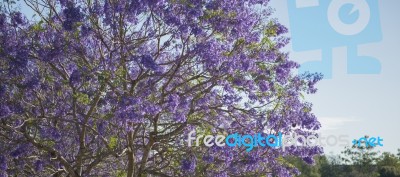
(112, 88)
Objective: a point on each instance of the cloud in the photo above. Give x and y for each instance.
(333, 123)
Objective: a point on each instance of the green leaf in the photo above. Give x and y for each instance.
(82, 98)
(121, 173)
(113, 142)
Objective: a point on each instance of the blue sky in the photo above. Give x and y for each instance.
(357, 104)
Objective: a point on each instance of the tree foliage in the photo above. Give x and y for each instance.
(111, 88)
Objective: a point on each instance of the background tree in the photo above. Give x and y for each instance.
(332, 166)
(353, 162)
(386, 165)
(389, 165)
(308, 170)
(362, 157)
(93, 88)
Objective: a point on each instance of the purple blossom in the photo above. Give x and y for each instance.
(180, 117)
(208, 159)
(127, 101)
(167, 43)
(39, 166)
(54, 134)
(107, 12)
(148, 62)
(195, 12)
(172, 20)
(151, 3)
(17, 18)
(17, 108)
(129, 115)
(3, 174)
(85, 30)
(32, 82)
(264, 86)
(75, 78)
(18, 151)
(238, 82)
(152, 109)
(281, 29)
(96, 8)
(253, 97)
(172, 102)
(72, 16)
(4, 111)
(3, 20)
(188, 165)
(3, 91)
(308, 160)
(19, 62)
(64, 2)
(183, 28)
(246, 64)
(3, 163)
(101, 127)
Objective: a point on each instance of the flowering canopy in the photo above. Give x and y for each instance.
(111, 88)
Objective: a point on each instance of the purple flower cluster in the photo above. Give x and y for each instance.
(39, 166)
(3, 163)
(148, 62)
(17, 18)
(19, 151)
(4, 111)
(75, 78)
(3, 20)
(72, 16)
(188, 165)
